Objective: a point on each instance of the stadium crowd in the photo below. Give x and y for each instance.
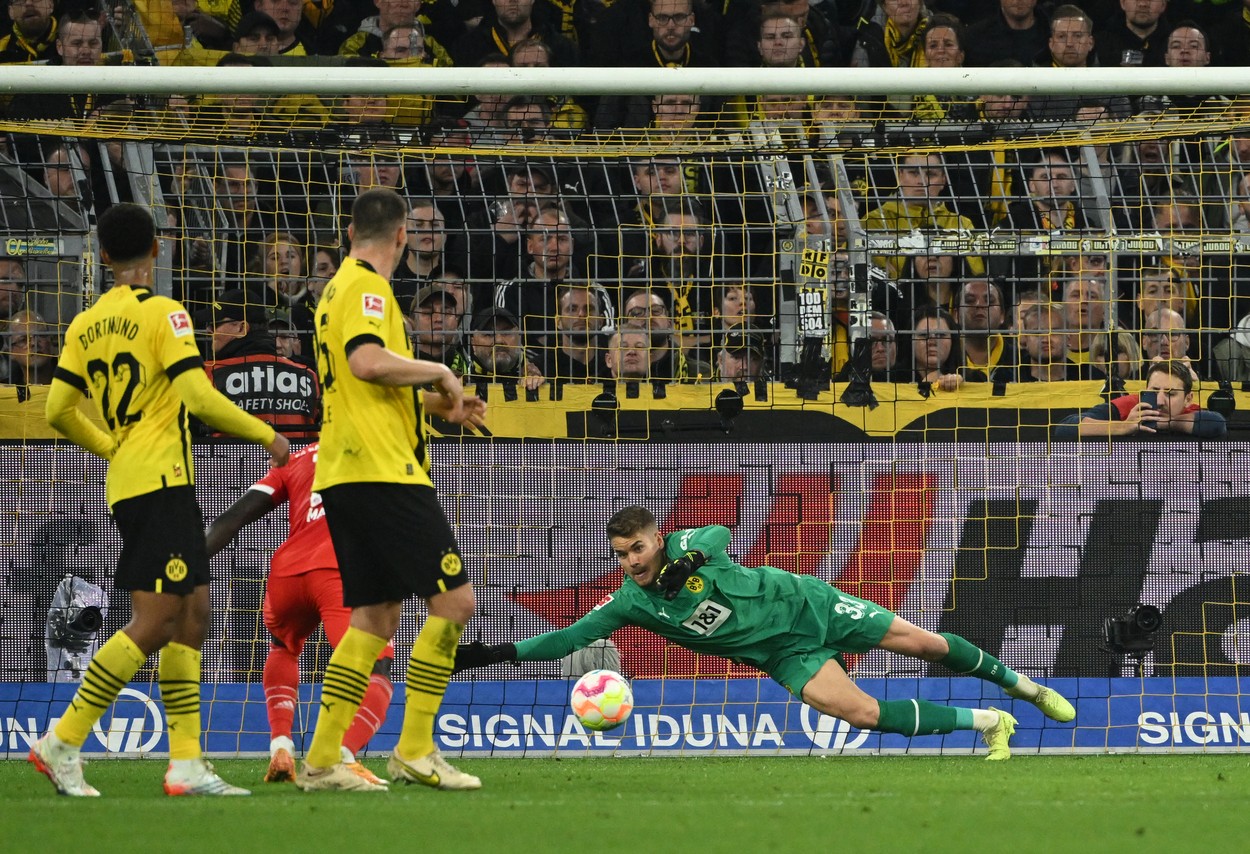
(670, 268)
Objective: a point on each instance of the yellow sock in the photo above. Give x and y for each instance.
(107, 674)
(429, 669)
(179, 676)
(347, 677)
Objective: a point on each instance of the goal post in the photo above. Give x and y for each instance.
(772, 228)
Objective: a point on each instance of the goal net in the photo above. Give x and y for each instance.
(789, 314)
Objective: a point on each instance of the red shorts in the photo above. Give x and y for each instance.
(296, 604)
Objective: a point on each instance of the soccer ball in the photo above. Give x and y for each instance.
(602, 700)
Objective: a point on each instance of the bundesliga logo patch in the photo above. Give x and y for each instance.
(374, 305)
(180, 322)
(602, 602)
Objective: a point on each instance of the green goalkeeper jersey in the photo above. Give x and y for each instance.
(749, 615)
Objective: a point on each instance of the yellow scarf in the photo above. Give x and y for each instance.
(908, 51)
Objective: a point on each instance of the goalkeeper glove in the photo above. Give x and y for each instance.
(478, 654)
(673, 575)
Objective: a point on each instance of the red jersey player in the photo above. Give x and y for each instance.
(304, 589)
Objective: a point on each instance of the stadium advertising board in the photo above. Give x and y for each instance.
(1023, 548)
(680, 717)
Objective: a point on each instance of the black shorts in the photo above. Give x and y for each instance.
(392, 541)
(163, 549)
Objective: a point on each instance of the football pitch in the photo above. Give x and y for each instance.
(897, 803)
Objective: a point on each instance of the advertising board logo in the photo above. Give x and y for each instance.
(136, 724)
(830, 733)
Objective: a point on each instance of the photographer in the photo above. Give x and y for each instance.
(1166, 405)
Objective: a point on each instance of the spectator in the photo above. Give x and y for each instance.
(496, 246)
(1165, 339)
(780, 41)
(684, 261)
(1071, 45)
(78, 43)
(256, 35)
(1127, 361)
(742, 357)
(1018, 31)
(549, 246)
(1051, 203)
(1230, 358)
(245, 367)
(486, 119)
(495, 352)
(735, 306)
(1165, 287)
(627, 356)
(12, 287)
(677, 113)
(1045, 345)
(507, 24)
(1004, 108)
(893, 38)
(32, 37)
(884, 366)
(286, 340)
(326, 260)
(436, 318)
(565, 114)
(404, 43)
(988, 355)
(367, 41)
(935, 350)
(577, 354)
(235, 197)
(944, 39)
(289, 17)
(1087, 311)
(673, 43)
(210, 27)
(280, 261)
(933, 280)
(1127, 415)
(423, 257)
(526, 118)
(920, 205)
(1135, 36)
(30, 344)
(449, 176)
(646, 309)
(822, 43)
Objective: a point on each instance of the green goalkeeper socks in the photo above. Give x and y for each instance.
(968, 660)
(918, 717)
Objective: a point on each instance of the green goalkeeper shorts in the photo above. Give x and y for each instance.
(832, 622)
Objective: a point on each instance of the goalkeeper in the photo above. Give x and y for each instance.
(793, 627)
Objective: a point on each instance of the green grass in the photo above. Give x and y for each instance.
(846, 805)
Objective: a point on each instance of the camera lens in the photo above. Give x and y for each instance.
(1147, 618)
(87, 619)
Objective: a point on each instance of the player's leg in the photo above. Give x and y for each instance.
(957, 654)
(178, 674)
(831, 691)
(290, 616)
(347, 676)
(153, 619)
(372, 534)
(442, 581)
(416, 758)
(326, 589)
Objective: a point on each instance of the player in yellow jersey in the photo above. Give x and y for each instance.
(389, 532)
(134, 354)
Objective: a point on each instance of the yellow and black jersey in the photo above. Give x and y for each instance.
(124, 353)
(369, 432)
